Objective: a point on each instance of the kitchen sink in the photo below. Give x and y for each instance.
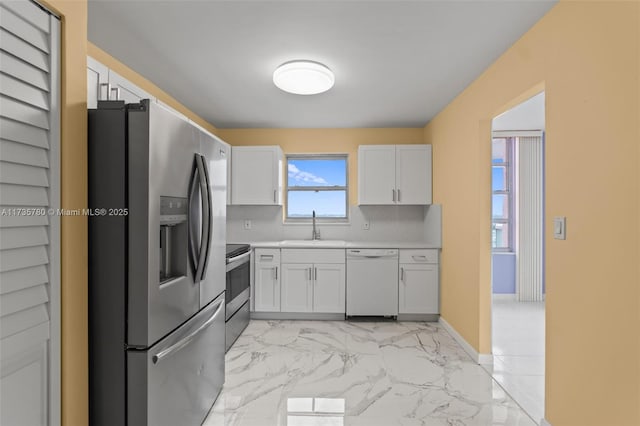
(313, 243)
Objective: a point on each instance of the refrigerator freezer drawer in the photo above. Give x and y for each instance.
(177, 381)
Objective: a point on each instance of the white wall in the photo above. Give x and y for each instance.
(529, 115)
(387, 223)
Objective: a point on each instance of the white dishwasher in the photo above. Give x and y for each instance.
(372, 282)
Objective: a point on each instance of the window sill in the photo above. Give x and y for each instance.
(305, 222)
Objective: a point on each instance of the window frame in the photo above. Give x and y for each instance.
(287, 188)
(509, 165)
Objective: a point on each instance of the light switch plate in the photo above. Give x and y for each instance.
(247, 224)
(560, 228)
(365, 225)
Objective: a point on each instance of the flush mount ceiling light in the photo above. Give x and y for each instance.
(303, 77)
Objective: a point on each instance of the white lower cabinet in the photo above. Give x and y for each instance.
(297, 287)
(266, 280)
(329, 288)
(313, 280)
(418, 288)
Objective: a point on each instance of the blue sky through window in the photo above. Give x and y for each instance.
(327, 172)
(498, 179)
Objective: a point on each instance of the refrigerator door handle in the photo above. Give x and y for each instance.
(187, 339)
(196, 220)
(207, 215)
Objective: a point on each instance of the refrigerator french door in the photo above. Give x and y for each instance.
(157, 191)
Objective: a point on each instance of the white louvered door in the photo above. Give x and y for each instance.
(29, 233)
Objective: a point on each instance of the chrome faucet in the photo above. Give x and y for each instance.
(315, 234)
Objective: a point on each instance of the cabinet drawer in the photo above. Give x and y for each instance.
(419, 256)
(266, 256)
(313, 256)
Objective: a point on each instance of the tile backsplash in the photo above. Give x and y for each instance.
(386, 223)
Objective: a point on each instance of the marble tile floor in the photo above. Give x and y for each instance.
(518, 348)
(339, 373)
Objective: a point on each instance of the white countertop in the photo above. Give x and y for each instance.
(342, 244)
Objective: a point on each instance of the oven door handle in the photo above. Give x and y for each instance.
(237, 261)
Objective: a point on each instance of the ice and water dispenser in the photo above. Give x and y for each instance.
(173, 238)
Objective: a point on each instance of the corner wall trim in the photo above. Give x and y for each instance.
(475, 356)
(543, 422)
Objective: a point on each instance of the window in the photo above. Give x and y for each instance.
(317, 182)
(502, 198)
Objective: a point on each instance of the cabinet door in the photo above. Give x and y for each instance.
(256, 175)
(328, 288)
(297, 295)
(418, 289)
(122, 89)
(267, 288)
(97, 82)
(376, 174)
(413, 174)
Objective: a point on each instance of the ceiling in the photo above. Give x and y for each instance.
(397, 63)
(529, 115)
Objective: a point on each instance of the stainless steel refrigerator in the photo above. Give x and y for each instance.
(157, 224)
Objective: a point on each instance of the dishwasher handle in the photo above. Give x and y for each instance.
(372, 253)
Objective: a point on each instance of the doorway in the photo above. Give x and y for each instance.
(518, 311)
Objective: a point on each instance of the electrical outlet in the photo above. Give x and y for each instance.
(247, 224)
(365, 225)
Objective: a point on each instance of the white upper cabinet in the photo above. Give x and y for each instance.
(105, 84)
(121, 89)
(256, 175)
(394, 174)
(97, 82)
(413, 174)
(376, 174)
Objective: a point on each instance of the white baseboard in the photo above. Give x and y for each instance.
(477, 357)
(543, 422)
(507, 297)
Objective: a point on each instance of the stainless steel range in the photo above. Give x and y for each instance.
(237, 290)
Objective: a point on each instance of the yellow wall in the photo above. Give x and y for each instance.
(73, 192)
(586, 56)
(103, 57)
(73, 157)
(325, 141)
